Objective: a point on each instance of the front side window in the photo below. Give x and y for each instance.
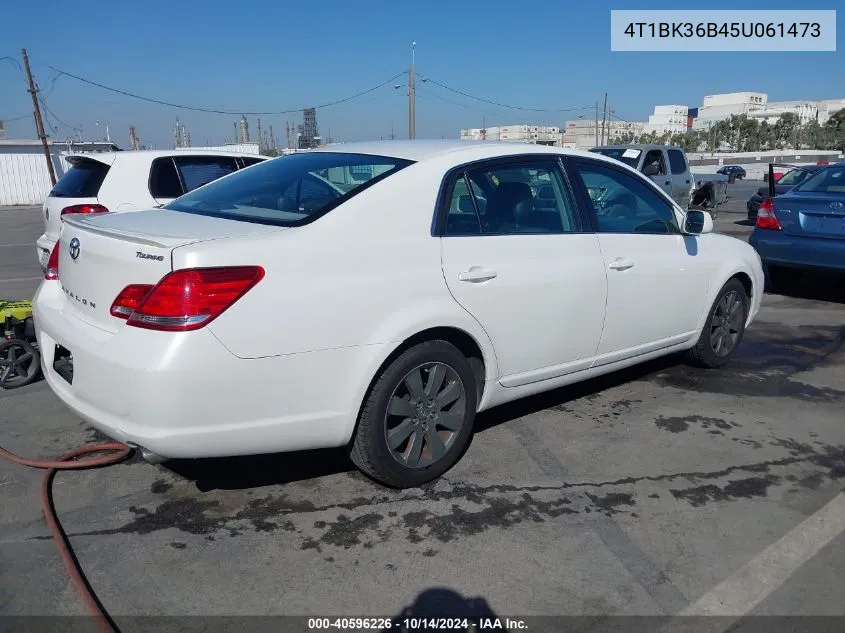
(655, 158)
(793, 177)
(622, 203)
(506, 199)
(289, 190)
(677, 163)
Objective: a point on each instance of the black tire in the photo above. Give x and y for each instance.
(20, 363)
(703, 353)
(370, 451)
(781, 279)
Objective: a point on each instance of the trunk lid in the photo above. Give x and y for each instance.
(812, 214)
(100, 255)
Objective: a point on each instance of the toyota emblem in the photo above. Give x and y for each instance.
(74, 248)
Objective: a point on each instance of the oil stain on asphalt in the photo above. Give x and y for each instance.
(447, 512)
(681, 424)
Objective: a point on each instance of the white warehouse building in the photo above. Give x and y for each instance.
(671, 119)
(522, 133)
(722, 106)
(756, 105)
(581, 133)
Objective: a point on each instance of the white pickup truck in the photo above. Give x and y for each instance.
(668, 167)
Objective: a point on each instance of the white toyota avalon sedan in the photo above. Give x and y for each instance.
(378, 296)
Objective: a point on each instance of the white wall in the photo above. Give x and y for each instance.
(24, 178)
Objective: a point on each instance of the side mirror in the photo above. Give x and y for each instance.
(652, 169)
(698, 222)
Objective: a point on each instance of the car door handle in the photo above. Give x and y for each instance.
(668, 182)
(621, 264)
(476, 275)
(687, 181)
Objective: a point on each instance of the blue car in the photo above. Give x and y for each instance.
(805, 227)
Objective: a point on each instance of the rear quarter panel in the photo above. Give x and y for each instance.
(126, 188)
(367, 273)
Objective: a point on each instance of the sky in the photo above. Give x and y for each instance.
(271, 56)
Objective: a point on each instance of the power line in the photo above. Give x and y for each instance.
(15, 118)
(215, 111)
(496, 103)
(53, 114)
(13, 61)
(432, 95)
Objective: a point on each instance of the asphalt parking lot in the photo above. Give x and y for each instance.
(647, 492)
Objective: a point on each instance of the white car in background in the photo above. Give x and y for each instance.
(129, 181)
(377, 296)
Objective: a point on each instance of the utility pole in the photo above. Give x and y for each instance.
(597, 123)
(39, 124)
(604, 120)
(412, 97)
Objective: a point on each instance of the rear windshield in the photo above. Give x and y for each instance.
(83, 180)
(828, 180)
(290, 190)
(628, 156)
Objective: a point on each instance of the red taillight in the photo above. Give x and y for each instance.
(190, 299)
(766, 218)
(52, 272)
(128, 300)
(84, 208)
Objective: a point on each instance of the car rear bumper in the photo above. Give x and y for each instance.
(185, 395)
(781, 249)
(43, 248)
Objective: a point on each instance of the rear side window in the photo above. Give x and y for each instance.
(196, 171)
(676, 161)
(164, 181)
(250, 161)
(83, 180)
(289, 190)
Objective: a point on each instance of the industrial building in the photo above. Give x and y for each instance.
(668, 119)
(756, 105)
(521, 133)
(307, 135)
(583, 133)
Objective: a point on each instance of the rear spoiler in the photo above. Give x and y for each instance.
(76, 159)
(772, 174)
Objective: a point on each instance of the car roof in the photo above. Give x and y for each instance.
(420, 150)
(640, 146)
(150, 154)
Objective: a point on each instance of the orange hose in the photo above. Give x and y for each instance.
(116, 453)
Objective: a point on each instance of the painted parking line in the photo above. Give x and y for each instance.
(742, 591)
(21, 279)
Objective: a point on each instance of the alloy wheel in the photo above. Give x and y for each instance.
(425, 414)
(19, 363)
(726, 323)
